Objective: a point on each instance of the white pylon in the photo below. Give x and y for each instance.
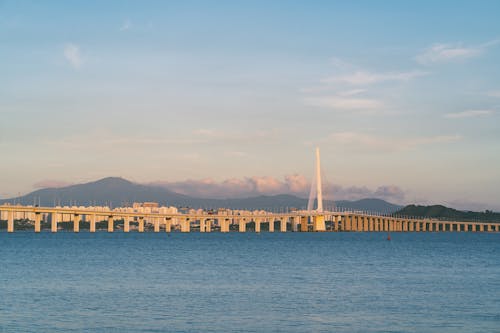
(316, 187)
(318, 182)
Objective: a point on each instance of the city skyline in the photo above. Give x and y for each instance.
(232, 97)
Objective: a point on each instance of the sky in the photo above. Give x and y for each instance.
(224, 98)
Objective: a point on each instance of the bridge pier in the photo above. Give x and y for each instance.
(156, 224)
(304, 224)
(242, 225)
(93, 219)
(271, 224)
(10, 221)
(141, 224)
(319, 223)
(202, 225)
(257, 225)
(126, 224)
(283, 222)
(168, 224)
(53, 223)
(38, 218)
(185, 225)
(76, 223)
(224, 224)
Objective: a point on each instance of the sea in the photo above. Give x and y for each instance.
(248, 282)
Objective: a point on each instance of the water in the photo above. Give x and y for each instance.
(293, 282)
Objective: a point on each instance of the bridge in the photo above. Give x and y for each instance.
(297, 221)
(315, 220)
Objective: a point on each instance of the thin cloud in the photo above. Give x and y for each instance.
(363, 141)
(442, 52)
(365, 78)
(127, 25)
(73, 55)
(339, 102)
(469, 114)
(50, 183)
(495, 93)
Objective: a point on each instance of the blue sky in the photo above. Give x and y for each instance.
(403, 98)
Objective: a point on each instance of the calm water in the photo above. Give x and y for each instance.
(292, 282)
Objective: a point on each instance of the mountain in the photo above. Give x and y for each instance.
(114, 191)
(439, 211)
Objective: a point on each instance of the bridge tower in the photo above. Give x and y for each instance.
(317, 193)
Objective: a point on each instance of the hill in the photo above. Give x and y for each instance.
(114, 191)
(439, 211)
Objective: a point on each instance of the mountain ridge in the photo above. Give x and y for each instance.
(117, 191)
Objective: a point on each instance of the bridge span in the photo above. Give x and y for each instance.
(297, 221)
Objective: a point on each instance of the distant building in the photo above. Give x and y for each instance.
(145, 205)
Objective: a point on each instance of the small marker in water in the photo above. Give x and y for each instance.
(388, 237)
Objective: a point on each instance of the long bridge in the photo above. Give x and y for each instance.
(299, 221)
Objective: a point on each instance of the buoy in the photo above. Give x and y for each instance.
(388, 237)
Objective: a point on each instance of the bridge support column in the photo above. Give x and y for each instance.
(348, 223)
(185, 225)
(304, 224)
(271, 224)
(242, 225)
(353, 224)
(156, 224)
(93, 219)
(481, 228)
(168, 224)
(38, 218)
(224, 225)
(319, 223)
(76, 223)
(202, 225)
(283, 224)
(126, 224)
(111, 223)
(257, 225)
(295, 223)
(10, 221)
(371, 223)
(141, 224)
(53, 223)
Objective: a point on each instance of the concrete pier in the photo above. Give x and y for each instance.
(242, 225)
(38, 218)
(54, 220)
(111, 223)
(93, 219)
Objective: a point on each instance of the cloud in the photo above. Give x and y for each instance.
(363, 141)
(469, 114)
(127, 25)
(73, 55)
(344, 102)
(366, 78)
(442, 52)
(493, 93)
(50, 183)
(294, 184)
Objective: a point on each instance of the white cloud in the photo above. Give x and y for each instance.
(363, 141)
(469, 114)
(73, 55)
(50, 183)
(127, 25)
(339, 102)
(366, 78)
(442, 52)
(493, 93)
(294, 184)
